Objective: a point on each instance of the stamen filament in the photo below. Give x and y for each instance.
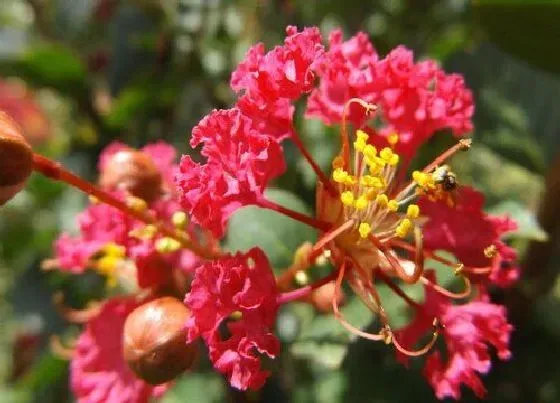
(446, 292)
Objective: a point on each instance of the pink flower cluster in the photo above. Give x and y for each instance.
(234, 298)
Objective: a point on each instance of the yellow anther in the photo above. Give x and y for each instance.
(113, 254)
(364, 229)
(393, 139)
(347, 198)
(371, 181)
(340, 175)
(179, 219)
(394, 160)
(386, 153)
(144, 233)
(393, 205)
(423, 180)
(93, 199)
(403, 228)
(370, 151)
(361, 135)
(167, 245)
(136, 203)
(374, 167)
(361, 202)
(359, 145)
(349, 180)
(412, 211)
(371, 194)
(382, 200)
(236, 315)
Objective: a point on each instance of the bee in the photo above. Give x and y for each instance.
(444, 177)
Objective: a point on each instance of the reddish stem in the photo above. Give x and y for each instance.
(320, 174)
(312, 222)
(302, 292)
(55, 171)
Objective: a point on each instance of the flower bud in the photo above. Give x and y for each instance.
(16, 158)
(154, 341)
(134, 172)
(322, 297)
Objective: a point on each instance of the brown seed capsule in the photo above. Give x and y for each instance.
(154, 341)
(132, 171)
(16, 158)
(321, 298)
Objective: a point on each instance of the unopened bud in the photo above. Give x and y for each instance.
(154, 341)
(322, 297)
(134, 172)
(16, 158)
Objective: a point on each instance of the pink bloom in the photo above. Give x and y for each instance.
(416, 99)
(98, 372)
(467, 330)
(241, 163)
(466, 230)
(345, 73)
(241, 284)
(284, 72)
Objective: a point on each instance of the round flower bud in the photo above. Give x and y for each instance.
(16, 158)
(321, 298)
(134, 172)
(154, 341)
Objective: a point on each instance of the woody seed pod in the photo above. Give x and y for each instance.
(134, 172)
(154, 341)
(16, 158)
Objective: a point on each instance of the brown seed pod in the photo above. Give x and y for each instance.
(134, 172)
(321, 298)
(16, 158)
(154, 341)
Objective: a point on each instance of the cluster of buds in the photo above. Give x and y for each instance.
(154, 228)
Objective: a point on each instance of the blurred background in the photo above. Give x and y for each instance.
(78, 74)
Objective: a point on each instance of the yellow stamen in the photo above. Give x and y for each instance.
(137, 204)
(393, 205)
(413, 211)
(144, 233)
(167, 245)
(361, 135)
(382, 200)
(347, 198)
(393, 139)
(179, 219)
(361, 203)
(403, 228)
(364, 229)
(339, 175)
(371, 181)
(107, 265)
(370, 151)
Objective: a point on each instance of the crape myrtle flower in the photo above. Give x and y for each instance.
(377, 222)
(467, 330)
(240, 290)
(110, 240)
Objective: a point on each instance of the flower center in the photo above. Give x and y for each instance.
(365, 193)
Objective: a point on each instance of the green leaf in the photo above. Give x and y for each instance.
(279, 236)
(528, 227)
(196, 387)
(510, 24)
(49, 66)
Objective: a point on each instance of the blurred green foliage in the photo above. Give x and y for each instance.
(139, 70)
